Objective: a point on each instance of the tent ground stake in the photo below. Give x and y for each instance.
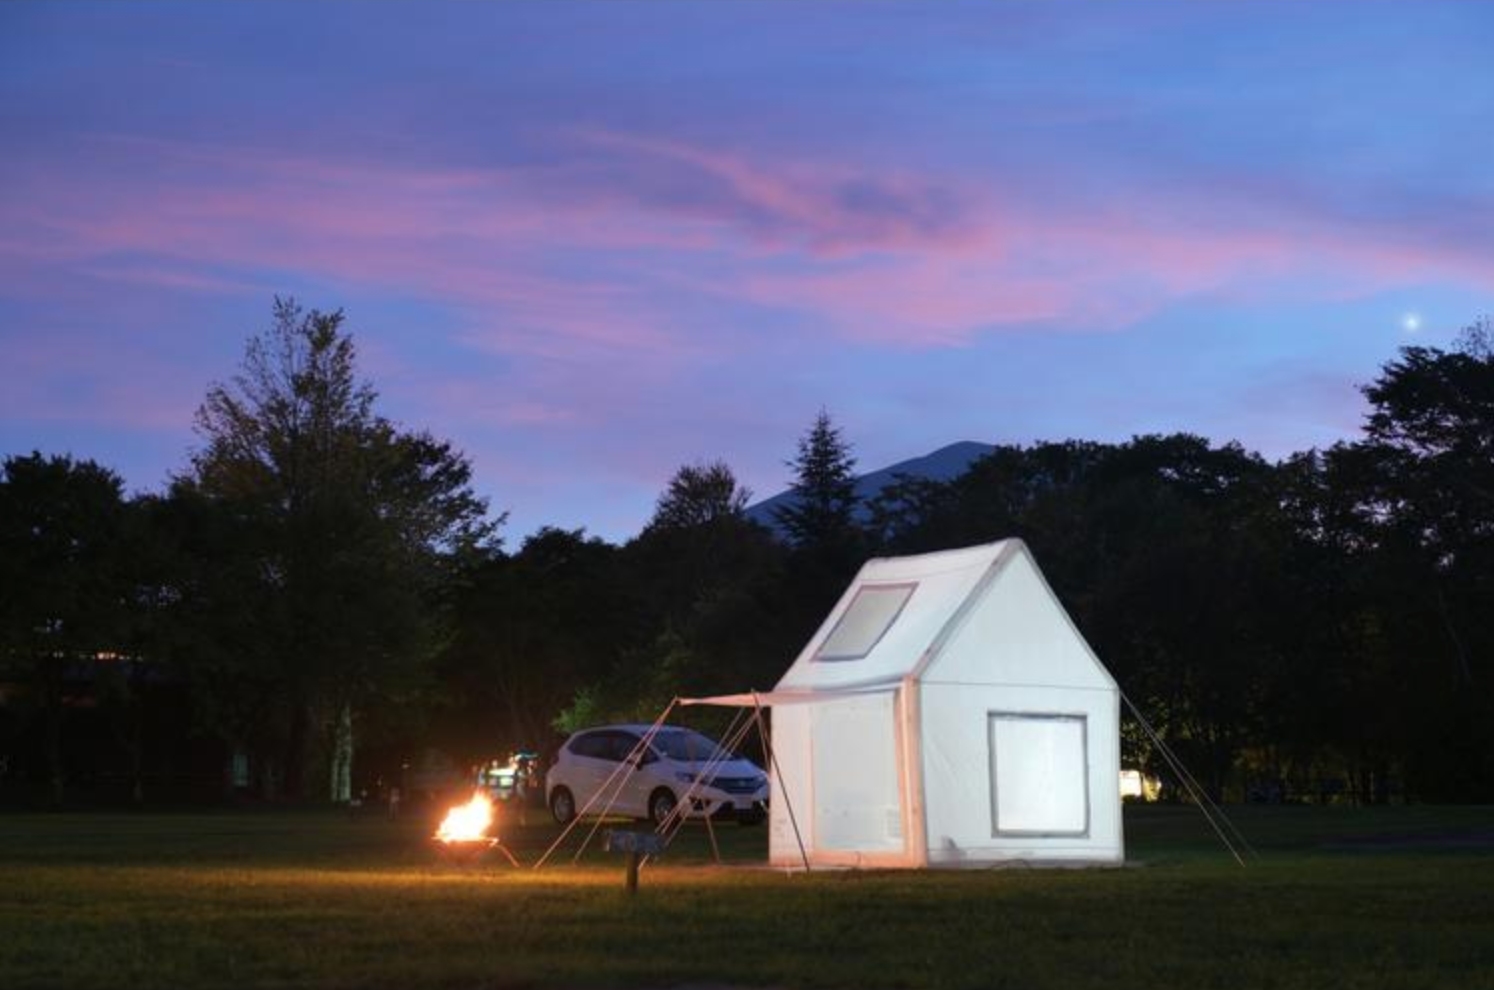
(711, 832)
(633, 873)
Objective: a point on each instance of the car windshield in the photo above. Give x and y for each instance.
(687, 746)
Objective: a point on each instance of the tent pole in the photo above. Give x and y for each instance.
(669, 829)
(642, 744)
(631, 762)
(672, 824)
(1201, 799)
(711, 833)
(762, 733)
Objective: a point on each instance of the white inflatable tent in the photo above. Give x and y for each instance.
(946, 713)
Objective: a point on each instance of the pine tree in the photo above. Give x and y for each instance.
(821, 513)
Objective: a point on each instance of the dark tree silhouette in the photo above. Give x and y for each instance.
(822, 512)
(64, 597)
(700, 494)
(1322, 626)
(357, 525)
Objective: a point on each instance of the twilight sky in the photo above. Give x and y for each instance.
(591, 242)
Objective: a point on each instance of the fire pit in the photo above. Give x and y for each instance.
(464, 834)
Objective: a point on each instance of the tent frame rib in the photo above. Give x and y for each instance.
(762, 733)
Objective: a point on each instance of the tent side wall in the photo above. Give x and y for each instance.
(1020, 738)
(1020, 773)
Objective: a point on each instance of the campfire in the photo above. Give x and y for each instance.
(464, 836)
(467, 822)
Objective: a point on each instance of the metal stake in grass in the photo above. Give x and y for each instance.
(636, 845)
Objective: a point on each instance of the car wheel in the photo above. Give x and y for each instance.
(661, 805)
(562, 805)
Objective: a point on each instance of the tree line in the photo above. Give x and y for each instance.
(320, 593)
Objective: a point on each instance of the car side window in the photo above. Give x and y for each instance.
(591, 745)
(621, 746)
(606, 745)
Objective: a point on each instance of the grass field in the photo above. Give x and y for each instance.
(1340, 898)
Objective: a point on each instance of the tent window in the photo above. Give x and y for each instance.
(1039, 774)
(865, 621)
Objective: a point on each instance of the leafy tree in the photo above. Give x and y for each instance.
(698, 495)
(698, 542)
(1432, 426)
(218, 625)
(63, 593)
(706, 578)
(128, 679)
(1427, 507)
(354, 527)
(531, 631)
(1332, 623)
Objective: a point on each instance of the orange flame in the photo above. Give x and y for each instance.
(467, 822)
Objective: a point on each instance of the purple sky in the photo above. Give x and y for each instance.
(589, 243)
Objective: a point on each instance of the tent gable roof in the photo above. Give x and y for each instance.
(942, 584)
(1014, 630)
(954, 594)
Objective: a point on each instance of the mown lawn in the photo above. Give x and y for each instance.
(1340, 898)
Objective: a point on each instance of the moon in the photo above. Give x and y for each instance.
(1411, 322)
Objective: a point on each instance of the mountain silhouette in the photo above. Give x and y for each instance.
(941, 465)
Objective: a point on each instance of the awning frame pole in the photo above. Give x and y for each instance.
(670, 827)
(576, 819)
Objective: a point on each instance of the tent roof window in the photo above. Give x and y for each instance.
(865, 621)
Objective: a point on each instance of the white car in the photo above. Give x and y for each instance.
(655, 780)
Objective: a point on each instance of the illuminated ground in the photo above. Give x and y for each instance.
(1392, 898)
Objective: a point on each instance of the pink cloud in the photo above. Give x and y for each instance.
(589, 257)
(827, 208)
(358, 226)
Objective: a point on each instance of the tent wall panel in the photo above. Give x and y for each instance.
(790, 779)
(958, 797)
(855, 776)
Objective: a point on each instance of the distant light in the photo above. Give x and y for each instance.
(1135, 784)
(1411, 322)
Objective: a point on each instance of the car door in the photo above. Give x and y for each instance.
(588, 766)
(632, 797)
(601, 752)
